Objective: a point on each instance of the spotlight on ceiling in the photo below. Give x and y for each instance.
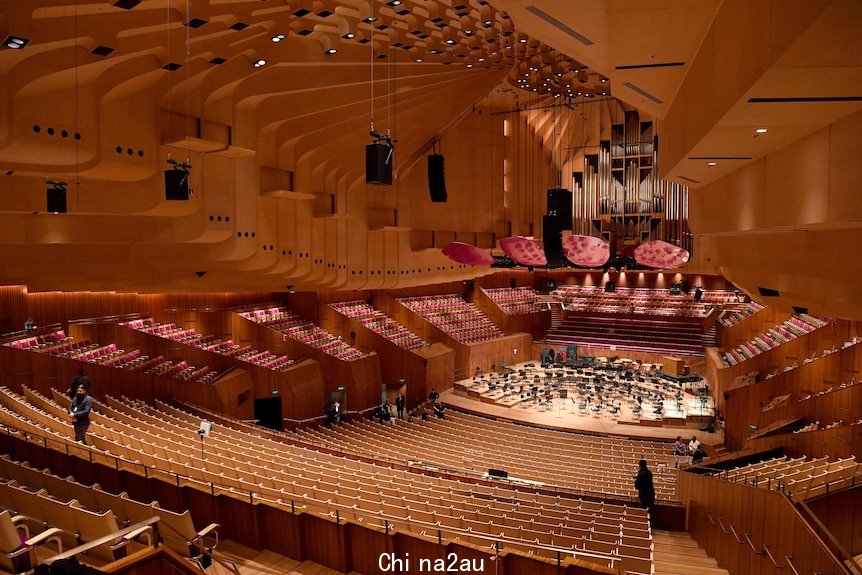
(278, 38)
(761, 130)
(56, 196)
(349, 36)
(15, 42)
(450, 42)
(394, 3)
(260, 63)
(331, 51)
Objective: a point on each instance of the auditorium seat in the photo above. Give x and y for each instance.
(462, 321)
(515, 301)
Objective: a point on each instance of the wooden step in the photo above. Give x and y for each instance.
(676, 553)
(252, 562)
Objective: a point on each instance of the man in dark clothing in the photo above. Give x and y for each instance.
(644, 485)
(79, 379)
(79, 413)
(433, 396)
(399, 405)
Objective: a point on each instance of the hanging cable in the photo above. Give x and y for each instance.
(371, 44)
(189, 125)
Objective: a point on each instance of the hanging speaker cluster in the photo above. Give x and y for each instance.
(437, 178)
(56, 196)
(378, 164)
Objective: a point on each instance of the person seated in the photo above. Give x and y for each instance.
(433, 396)
(679, 447)
(439, 408)
(699, 455)
(693, 445)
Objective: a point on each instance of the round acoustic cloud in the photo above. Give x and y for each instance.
(586, 251)
(659, 254)
(524, 251)
(467, 254)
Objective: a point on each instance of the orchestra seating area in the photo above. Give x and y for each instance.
(803, 477)
(795, 326)
(69, 513)
(733, 315)
(578, 462)
(211, 343)
(379, 323)
(463, 321)
(58, 344)
(515, 301)
(639, 301)
(630, 333)
(297, 327)
(243, 465)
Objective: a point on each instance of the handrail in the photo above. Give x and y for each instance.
(721, 525)
(771, 558)
(800, 506)
(750, 544)
(790, 564)
(710, 517)
(735, 535)
(110, 538)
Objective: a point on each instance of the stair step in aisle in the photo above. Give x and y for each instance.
(676, 553)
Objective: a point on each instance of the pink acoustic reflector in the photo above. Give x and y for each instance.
(586, 251)
(524, 251)
(659, 254)
(467, 254)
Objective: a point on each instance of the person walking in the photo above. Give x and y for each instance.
(79, 413)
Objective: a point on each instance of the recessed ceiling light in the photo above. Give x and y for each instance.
(15, 42)
(468, 32)
(434, 51)
(761, 130)
(395, 3)
(371, 19)
(604, 80)
(488, 22)
(710, 164)
(523, 40)
(260, 63)
(278, 38)
(450, 41)
(469, 65)
(331, 51)
(349, 35)
(418, 59)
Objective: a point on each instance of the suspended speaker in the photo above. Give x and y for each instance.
(560, 205)
(176, 185)
(378, 164)
(57, 200)
(437, 178)
(552, 239)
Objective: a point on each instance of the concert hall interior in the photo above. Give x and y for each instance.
(402, 286)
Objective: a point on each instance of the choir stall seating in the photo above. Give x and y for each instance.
(653, 334)
(228, 348)
(639, 301)
(463, 321)
(584, 463)
(296, 327)
(238, 463)
(793, 327)
(515, 301)
(110, 356)
(803, 477)
(379, 323)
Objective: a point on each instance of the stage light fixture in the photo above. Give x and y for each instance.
(15, 42)
(278, 38)
(260, 63)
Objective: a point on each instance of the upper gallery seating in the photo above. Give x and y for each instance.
(109, 355)
(585, 463)
(211, 343)
(634, 333)
(379, 323)
(296, 327)
(732, 316)
(515, 301)
(795, 326)
(805, 478)
(639, 301)
(463, 321)
(242, 465)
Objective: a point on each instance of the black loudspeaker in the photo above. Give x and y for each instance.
(560, 204)
(437, 178)
(610, 287)
(57, 200)
(552, 239)
(176, 185)
(498, 473)
(378, 164)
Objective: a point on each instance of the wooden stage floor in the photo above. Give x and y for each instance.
(563, 416)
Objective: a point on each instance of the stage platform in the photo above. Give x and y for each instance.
(565, 414)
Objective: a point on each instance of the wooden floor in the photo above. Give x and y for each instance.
(566, 418)
(252, 562)
(676, 553)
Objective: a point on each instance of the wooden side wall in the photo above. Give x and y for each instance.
(750, 530)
